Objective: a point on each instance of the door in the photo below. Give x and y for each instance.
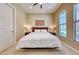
(7, 37)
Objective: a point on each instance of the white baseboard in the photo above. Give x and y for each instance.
(71, 47)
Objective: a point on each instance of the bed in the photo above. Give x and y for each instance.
(39, 38)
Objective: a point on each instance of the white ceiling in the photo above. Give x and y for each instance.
(47, 7)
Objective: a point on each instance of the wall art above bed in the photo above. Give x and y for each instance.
(39, 22)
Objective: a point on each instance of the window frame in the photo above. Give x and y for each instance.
(63, 23)
(75, 21)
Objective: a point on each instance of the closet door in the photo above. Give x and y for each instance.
(6, 26)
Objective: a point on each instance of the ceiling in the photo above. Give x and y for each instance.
(47, 7)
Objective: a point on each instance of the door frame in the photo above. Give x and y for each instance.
(14, 20)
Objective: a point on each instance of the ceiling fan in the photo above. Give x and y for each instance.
(40, 4)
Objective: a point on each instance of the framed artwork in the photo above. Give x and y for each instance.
(39, 22)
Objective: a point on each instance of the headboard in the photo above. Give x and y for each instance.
(41, 28)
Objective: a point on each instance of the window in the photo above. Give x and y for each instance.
(62, 23)
(76, 21)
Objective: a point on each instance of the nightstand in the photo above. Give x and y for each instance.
(52, 33)
(27, 33)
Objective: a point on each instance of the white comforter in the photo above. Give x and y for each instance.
(39, 40)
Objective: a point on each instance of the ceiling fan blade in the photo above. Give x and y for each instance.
(35, 4)
(41, 6)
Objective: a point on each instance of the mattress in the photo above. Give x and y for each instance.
(39, 40)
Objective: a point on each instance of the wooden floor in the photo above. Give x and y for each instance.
(61, 51)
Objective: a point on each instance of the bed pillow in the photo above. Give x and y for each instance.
(43, 30)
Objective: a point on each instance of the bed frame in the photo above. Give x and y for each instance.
(34, 28)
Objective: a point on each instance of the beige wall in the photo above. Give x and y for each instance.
(21, 19)
(70, 26)
(47, 17)
(29, 19)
